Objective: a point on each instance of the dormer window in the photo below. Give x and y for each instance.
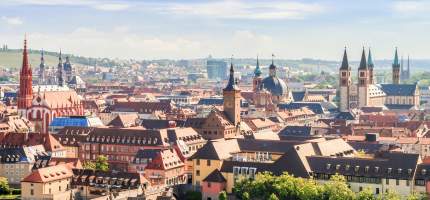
(399, 170)
(347, 167)
(376, 169)
(389, 170)
(357, 168)
(409, 171)
(337, 167)
(328, 166)
(366, 169)
(423, 172)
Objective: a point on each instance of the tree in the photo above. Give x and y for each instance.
(391, 195)
(245, 196)
(366, 194)
(193, 195)
(273, 197)
(89, 165)
(102, 163)
(337, 189)
(4, 186)
(222, 195)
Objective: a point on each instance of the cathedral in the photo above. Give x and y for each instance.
(40, 104)
(366, 93)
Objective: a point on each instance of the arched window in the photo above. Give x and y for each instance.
(38, 115)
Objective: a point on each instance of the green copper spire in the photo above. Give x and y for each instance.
(370, 60)
(257, 71)
(396, 60)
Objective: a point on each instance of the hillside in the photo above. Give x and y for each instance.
(12, 59)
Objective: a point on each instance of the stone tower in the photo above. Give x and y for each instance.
(231, 94)
(363, 82)
(344, 83)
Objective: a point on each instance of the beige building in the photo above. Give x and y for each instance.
(48, 183)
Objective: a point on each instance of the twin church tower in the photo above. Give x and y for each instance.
(366, 93)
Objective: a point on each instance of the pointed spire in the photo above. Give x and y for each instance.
(363, 62)
(345, 64)
(42, 58)
(396, 60)
(231, 85)
(257, 71)
(370, 60)
(408, 65)
(25, 64)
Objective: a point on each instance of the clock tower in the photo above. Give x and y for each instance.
(232, 96)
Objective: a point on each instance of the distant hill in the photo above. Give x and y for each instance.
(12, 59)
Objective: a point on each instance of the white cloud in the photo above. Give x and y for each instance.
(411, 7)
(12, 20)
(246, 10)
(111, 7)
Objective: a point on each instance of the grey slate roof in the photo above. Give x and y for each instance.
(399, 89)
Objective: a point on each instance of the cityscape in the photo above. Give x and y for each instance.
(144, 106)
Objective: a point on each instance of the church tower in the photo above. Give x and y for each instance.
(42, 70)
(60, 78)
(370, 65)
(256, 82)
(231, 94)
(363, 82)
(396, 69)
(68, 70)
(344, 83)
(25, 95)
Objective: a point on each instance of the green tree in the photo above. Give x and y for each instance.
(273, 197)
(417, 196)
(102, 163)
(222, 195)
(337, 189)
(4, 186)
(391, 195)
(193, 195)
(245, 196)
(89, 165)
(366, 194)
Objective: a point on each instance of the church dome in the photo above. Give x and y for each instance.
(275, 86)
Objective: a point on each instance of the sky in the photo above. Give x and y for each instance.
(180, 29)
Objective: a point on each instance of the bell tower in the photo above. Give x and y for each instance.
(231, 95)
(344, 83)
(25, 95)
(363, 82)
(396, 69)
(256, 82)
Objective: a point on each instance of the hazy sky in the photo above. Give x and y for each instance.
(194, 29)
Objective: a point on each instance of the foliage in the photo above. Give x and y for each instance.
(4, 186)
(222, 195)
(273, 197)
(285, 186)
(102, 163)
(193, 195)
(89, 165)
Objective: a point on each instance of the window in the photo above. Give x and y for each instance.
(236, 171)
(243, 171)
(251, 172)
(59, 188)
(397, 182)
(360, 188)
(407, 182)
(387, 181)
(208, 162)
(377, 191)
(31, 192)
(209, 184)
(197, 172)
(198, 162)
